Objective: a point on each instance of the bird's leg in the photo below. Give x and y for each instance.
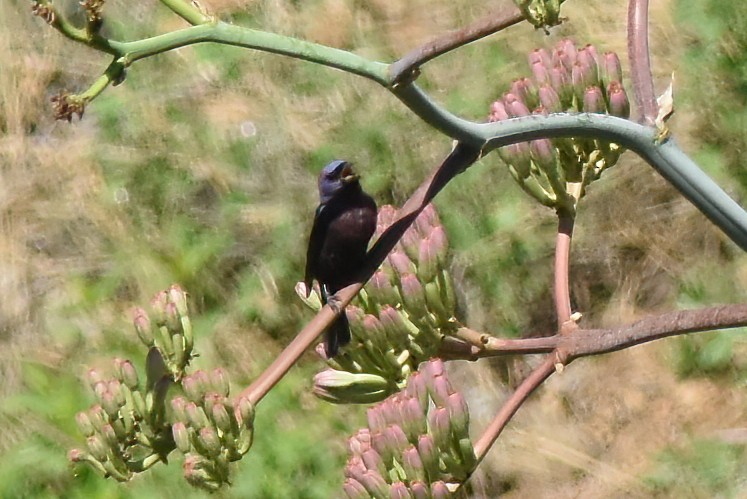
(334, 302)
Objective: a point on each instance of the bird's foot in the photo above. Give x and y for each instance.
(335, 303)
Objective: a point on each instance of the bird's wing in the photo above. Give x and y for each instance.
(316, 241)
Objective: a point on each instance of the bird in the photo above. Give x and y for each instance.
(344, 222)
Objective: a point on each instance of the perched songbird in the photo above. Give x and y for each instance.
(344, 223)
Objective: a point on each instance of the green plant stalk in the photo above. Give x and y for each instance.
(229, 34)
(186, 11)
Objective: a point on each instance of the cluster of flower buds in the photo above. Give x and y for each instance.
(568, 79)
(124, 430)
(132, 427)
(209, 429)
(417, 442)
(398, 320)
(169, 331)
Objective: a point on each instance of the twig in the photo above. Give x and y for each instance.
(503, 17)
(562, 256)
(640, 62)
(509, 408)
(587, 342)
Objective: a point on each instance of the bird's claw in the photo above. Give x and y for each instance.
(335, 303)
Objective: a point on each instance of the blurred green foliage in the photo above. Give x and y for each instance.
(200, 169)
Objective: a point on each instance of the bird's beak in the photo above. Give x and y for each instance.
(348, 176)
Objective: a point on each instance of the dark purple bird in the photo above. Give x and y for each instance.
(344, 223)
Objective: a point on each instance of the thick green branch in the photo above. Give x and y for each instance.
(228, 34)
(186, 11)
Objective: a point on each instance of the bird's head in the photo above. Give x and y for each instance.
(334, 178)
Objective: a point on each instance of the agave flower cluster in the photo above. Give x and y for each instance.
(123, 430)
(398, 320)
(209, 430)
(568, 79)
(131, 427)
(417, 442)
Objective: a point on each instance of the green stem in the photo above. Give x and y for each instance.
(229, 34)
(186, 11)
(112, 74)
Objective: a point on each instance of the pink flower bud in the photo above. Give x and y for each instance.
(439, 390)
(428, 453)
(129, 375)
(76, 456)
(581, 78)
(416, 388)
(619, 105)
(611, 68)
(439, 243)
(354, 490)
(372, 461)
(412, 293)
(359, 442)
(414, 421)
(400, 262)
(376, 420)
(434, 367)
(142, 326)
(195, 416)
(84, 424)
(419, 490)
(439, 490)
(374, 484)
(458, 414)
(192, 388)
(525, 89)
(219, 381)
(560, 82)
(438, 424)
(549, 99)
(354, 468)
(412, 464)
(515, 107)
(399, 490)
(587, 57)
(498, 111)
(158, 305)
(396, 440)
(178, 297)
(540, 56)
(181, 437)
(97, 447)
(246, 412)
(209, 439)
(540, 72)
(543, 153)
(94, 377)
(593, 100)
(178, 407)
(565, 50)
(427, 261)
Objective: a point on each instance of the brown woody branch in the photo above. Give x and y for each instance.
(405, 68)
(562, 257)
(586, 342)
(640, 61)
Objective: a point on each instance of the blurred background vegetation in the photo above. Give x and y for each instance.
(200, 169)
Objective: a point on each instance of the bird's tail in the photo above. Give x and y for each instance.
(338, 335)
